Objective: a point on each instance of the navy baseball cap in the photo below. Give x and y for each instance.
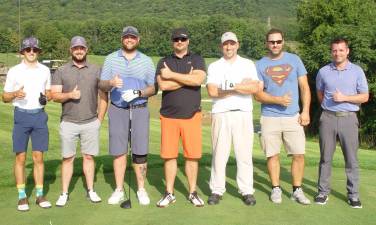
(78, 41)
(130, 30)
(30, 42)
(179, 33)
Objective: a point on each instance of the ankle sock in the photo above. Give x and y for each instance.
(39, 190)
(21, 191)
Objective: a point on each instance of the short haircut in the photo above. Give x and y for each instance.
(274, 31)
(338, 40)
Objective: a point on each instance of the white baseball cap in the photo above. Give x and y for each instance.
(228, 36)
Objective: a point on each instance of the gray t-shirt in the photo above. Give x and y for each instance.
(83, 110)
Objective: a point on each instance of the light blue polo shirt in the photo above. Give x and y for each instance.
(136, 74)
(350, 81)
(280, 77)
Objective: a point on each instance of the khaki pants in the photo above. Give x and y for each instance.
(232, 127)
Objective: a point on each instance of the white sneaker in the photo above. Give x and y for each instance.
(195, 200)
(298, 196)
(116, 197)
(276, 195)
(63, 198)
(166, 200)
(23, 205)
(143, 197)
(93, 196)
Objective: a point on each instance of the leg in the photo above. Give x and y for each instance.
(297, 169)
(66, 173)
(170, 169)
(120, 165)
(38, 167)
(191, 171)
(274, 169)
(19, 168)
(88, 166)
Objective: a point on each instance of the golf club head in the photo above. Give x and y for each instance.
(126, 204)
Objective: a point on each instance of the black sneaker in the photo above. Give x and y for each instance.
(214, 199)
(355, 203)
(321, 199)
(249, 199)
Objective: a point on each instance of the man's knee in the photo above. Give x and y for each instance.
(139, 159)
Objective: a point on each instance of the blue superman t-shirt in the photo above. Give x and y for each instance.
(280, 77)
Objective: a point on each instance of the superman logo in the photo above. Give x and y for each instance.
(279, 73)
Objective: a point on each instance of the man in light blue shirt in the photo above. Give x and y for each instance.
(341, 88)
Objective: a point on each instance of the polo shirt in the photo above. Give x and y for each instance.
(35, 80)
(137, 74)
(350, 81)
(183, 102)
(83, 110)
(236, 72)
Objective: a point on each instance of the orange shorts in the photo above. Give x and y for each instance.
(190, 132)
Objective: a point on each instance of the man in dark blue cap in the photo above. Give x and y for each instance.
(27, 86)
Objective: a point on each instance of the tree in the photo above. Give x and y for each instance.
(322, 20)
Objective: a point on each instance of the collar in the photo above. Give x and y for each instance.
(23, 64)
(175, 56)
(347, 67)
(120, 54)
(72, 64)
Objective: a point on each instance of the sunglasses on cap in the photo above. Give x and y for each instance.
(181, 39)
(275, 42)
(35, 50)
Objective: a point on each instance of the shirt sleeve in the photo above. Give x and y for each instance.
(150, 73)
(319, 82)
(253, 71)
(48, 82)
(258, 70)
(198, 63)
(10, 82)
(300, 67)
(106, 73)
(211, 78)
(56, 78)
(361, 84)
(159, 67)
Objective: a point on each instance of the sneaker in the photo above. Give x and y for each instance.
(23, 205)
(276, 195)
(298, 196)
(214, 199)
(93, 196)
(321, 199)
(42, 202)
(249, 199)
(63, 198)
(143, 197)
(355, 203)
(195, 200)
(116, 197)
(166, 200)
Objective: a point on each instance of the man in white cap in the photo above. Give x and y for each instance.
(75, 85)
(27, 86)
(231, 82)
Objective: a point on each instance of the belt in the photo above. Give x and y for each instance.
(31, 111)
(132, 106)
(234, 110)
(339, 114)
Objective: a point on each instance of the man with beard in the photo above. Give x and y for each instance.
(129, 75)
(284, 75)
(180, 76)
(75, 85)
(26, 86)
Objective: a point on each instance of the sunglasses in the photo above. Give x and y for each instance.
(35, 50)
(181, 39)
(275, 42)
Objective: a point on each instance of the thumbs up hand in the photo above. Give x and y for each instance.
(338, 96)
(116, 82)
(42, 99)
(20, 94)
(285, 100)
(75, 94)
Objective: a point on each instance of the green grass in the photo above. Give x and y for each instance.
(230, 211)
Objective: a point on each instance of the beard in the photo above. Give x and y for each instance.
(79, 60)
(129, 49)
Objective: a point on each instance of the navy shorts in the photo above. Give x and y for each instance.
(28, 125)
(118, 119)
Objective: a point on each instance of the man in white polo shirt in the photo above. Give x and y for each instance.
(27, 86)
(231, 82)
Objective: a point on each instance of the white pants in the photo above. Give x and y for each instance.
(232, 127)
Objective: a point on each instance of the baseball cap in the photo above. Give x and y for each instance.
(130, 30)
(78, 41)
(228, 36)
(179, 33)
(30, 42)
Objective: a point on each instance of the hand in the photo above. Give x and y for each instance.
(75, 94)
(20, 94)
(130, 95)
(42, 99)
(285, 100)
(166, 72)
(338, 96)
(227, 85)
(116, 82)
(304, 119)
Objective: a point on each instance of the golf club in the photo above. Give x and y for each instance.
(127, 204)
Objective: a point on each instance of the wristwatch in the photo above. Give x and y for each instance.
(137, 92)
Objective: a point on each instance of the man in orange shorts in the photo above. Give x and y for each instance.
(180, 76)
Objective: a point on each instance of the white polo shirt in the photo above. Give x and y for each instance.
(35, 80)
(222, 70)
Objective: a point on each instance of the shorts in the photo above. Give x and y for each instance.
(88, 134)
(190, 132)
(28, 125)
(119, 122)
(275, 130)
